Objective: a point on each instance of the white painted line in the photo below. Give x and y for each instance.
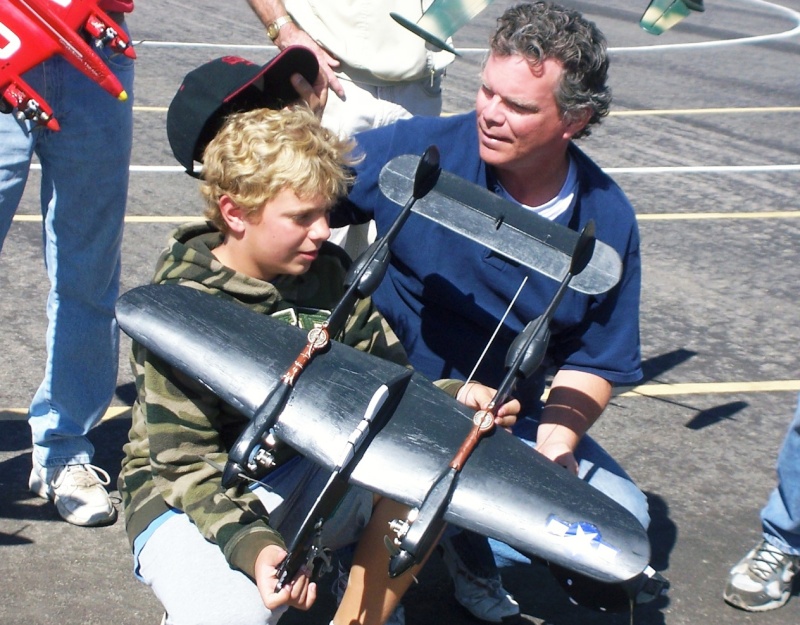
(708, 111)
(702, 169)
(698, 169)
(179, 219)
(699, 216)
(790, 13)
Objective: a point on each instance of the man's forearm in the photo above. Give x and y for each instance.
(268, 10)
(575, 402)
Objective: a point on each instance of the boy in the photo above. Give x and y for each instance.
(269, 179)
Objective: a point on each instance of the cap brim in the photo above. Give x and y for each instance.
(274, 79)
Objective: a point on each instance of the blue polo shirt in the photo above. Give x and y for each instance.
(444, 294)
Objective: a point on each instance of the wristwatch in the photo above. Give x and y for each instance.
(273, 30)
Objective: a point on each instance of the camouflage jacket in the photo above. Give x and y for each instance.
(176, 422)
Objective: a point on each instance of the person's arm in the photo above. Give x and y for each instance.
(184, 422)
(575, 402)
(300, 593)
(268, 11)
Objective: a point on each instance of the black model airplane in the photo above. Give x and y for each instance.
(378, 425)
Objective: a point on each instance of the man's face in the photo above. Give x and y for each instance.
(519, 122)
(285, 238)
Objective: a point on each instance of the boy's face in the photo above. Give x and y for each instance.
(284, 239)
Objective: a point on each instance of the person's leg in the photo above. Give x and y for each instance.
(372, 596)
(84, 190)
(762, 580)
(600, 470)
(16, 150)
(473, 560)
(193, 581)
(780, 517)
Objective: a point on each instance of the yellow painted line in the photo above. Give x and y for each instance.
(707, 388)
(644, 390)
(21, 414)
(130, 219)
(707, 111)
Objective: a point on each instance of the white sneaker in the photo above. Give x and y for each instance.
(484, 598)
(78, 490)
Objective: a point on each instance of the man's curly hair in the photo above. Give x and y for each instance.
(541, 30)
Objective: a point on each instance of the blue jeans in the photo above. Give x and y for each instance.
(83, 193)
(596, 467)
(780, 517)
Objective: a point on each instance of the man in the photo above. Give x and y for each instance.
(379, 71)
(83, 193)
(543, 85)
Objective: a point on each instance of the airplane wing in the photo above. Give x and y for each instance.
(505, 490)
(31, 31)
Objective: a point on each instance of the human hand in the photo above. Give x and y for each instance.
(293, 35)
(316, 95)
(478, 397)
(560, 453)
(300, 593)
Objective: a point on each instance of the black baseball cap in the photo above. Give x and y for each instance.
(226, 85)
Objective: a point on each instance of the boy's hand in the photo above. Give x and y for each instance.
(478, 396)
(300, 593)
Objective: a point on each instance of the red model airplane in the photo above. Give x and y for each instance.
(31, 31)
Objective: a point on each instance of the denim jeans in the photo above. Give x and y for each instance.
(596, 467)
(83, 193)
(780, 517)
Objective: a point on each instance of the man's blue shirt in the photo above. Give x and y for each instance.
(444, 294)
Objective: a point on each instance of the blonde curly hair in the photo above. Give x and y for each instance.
(259, 153)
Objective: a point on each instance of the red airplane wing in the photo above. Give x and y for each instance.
(31, 31)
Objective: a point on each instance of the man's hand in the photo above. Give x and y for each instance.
(478, 396)
(316, 95)
(293, 35)
(300, 593)
(557, 451)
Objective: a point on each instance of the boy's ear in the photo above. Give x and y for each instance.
(233, 215)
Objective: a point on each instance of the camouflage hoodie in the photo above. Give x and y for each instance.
(176, 422)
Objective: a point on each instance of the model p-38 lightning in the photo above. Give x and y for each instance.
(31, 31)
(378, 425)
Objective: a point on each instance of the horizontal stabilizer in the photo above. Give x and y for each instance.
(503, 226)
(442, 19)
(661, 15)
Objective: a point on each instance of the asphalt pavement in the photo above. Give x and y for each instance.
(704, 140)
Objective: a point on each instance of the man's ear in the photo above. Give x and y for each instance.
(578, 122)
(233, 215)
